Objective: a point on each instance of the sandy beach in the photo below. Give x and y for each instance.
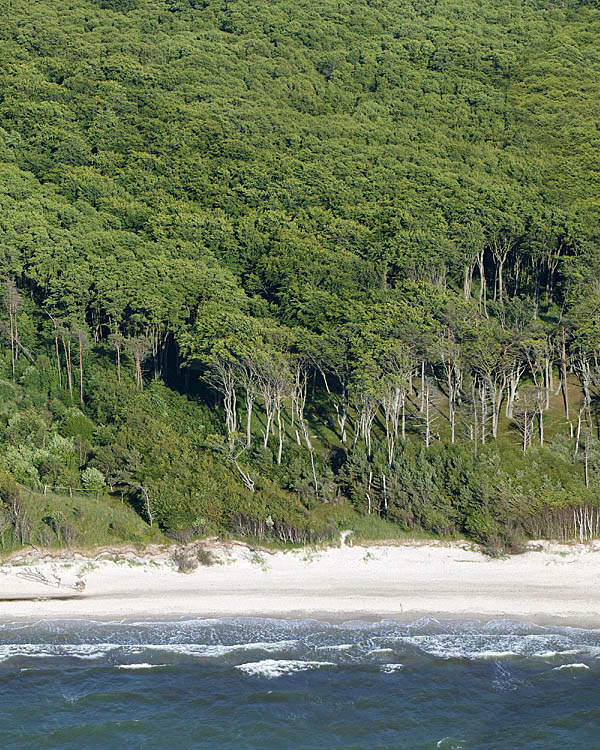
(551, 583)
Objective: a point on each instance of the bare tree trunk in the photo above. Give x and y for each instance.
(512, 386)
(483, 411)
(517, 273)
(249, 407)
(482, 282)
(427, 419)
(12, 341)
(501, 281)
(342, 414)
(68, 364)
(578, 433)
(248, 481)
(280, 432)
(548, 381)
(267, 432)
(149, 512)
(12, 302)
(16, 326)
(451, 401)
(390, 402)
(468, 281)
(223, 377)
(403, 406)
(312, 455)
(80, 370)
(367, 409)
(563, 366)
(58, 359)
(500, 246)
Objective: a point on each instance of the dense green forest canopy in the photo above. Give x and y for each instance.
(261, 260)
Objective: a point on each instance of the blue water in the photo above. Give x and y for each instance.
(265, 684)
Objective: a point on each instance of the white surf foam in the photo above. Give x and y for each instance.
(100, 650)
(552, 654)
(494, 654)
(48, 650)
(278, 667)
(464, 648)
(579, 665)
(215, 651)
(375, 651)
(264, 646)
(391, 668)
(447, 743)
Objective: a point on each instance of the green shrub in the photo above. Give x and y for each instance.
(75, 424)
(92, 479)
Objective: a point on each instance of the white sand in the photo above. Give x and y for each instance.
(554, 584)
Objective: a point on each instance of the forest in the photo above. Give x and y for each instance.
(280, 269)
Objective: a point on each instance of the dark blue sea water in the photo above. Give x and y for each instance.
(277, 684)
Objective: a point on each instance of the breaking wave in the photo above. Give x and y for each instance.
(245, 643)
(278, 667)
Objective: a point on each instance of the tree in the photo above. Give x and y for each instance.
(138, 348)
(449, 354)
(332, 355)
(274, 385)
(12, 303)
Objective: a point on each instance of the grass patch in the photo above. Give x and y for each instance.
(368, 528)
(58, 521)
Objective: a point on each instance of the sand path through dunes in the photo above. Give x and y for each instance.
(558, 583)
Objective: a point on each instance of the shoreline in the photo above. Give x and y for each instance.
(334, 620)
(553, 584)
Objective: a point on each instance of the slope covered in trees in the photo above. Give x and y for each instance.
(266, 266)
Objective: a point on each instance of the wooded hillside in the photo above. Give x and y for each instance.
(274, 268)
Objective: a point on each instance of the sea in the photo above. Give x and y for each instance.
(303, 684)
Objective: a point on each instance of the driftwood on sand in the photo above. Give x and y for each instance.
(49, 579)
